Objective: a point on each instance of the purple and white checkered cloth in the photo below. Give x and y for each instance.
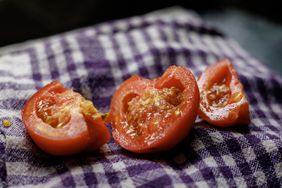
(94, 61)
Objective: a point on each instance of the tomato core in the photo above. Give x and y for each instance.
(155, 107)
(218, 95)
(55, 109)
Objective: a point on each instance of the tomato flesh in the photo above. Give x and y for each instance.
(223, 100)
(154, 115)
(62, 122)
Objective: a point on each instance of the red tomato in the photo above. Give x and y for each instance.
(62, 122)
(223, 100)
(154, 115)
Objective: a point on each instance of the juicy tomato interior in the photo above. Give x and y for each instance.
(62, 122)
(223, 100)
(148, 113)
(55, 108)
(219, 94)
(154, 115)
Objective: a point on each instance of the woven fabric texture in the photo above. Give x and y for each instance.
(95, 61)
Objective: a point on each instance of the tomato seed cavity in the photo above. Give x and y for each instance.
(145, 113)
(218, 95)
(55, 109)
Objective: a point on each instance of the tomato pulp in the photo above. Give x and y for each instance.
(223, 100)
(62, 122)
(154, 115)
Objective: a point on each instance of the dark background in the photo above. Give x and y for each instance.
(256, 25)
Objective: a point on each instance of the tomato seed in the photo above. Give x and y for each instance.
(6, 123)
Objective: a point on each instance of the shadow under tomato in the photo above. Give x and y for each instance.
(243, 129)
(180, 157)
(39, 154)
(187, 152)
(170, 157)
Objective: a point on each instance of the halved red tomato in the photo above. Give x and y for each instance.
(223, 100)
(62, 122)
(154, 115)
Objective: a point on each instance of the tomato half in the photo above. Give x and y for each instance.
(154, 115)
(62, 122)
(223, 100)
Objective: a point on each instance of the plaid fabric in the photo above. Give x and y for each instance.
(94, 61)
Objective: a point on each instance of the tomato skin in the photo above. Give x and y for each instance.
(236, 111)
(175, 129)
(79, 134)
